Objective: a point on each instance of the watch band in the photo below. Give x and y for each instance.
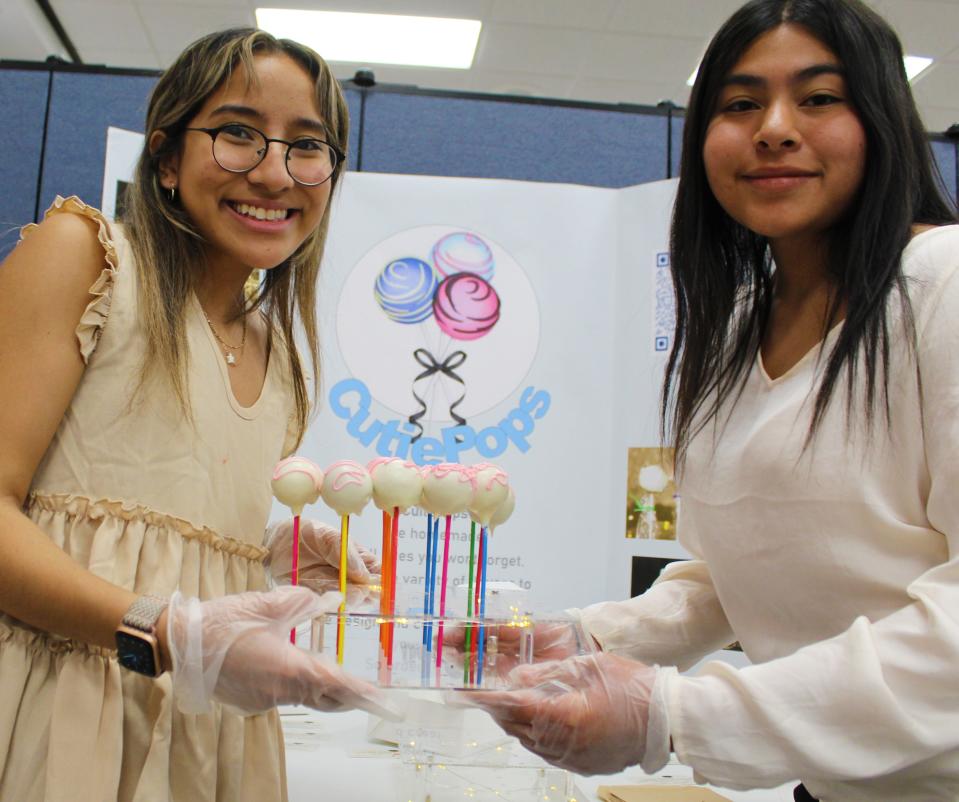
(144, 612)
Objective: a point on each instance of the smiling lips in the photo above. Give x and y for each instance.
(260, 212)
(778, 178)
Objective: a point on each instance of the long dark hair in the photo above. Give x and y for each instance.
(722, 271)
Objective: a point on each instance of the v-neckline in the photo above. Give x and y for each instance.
(814, 350)
(250, 412)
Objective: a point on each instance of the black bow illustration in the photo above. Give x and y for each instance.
(448, 368)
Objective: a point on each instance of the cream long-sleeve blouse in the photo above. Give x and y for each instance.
(143, 498)
(836, 568)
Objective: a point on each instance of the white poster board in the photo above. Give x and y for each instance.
(556, 391)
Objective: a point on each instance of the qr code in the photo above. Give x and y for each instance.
(664, 305)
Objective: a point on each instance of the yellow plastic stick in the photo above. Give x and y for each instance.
(340, 621)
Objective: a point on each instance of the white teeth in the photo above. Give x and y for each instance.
(259, 213)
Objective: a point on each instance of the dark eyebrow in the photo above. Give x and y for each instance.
(246, 111)
(746, 80)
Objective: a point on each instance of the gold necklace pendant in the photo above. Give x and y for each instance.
(228, 349)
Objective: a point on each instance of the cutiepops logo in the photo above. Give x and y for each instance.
(438, 326)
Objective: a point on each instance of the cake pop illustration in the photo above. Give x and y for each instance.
(463, 252)
(465, 306)
(405, 288)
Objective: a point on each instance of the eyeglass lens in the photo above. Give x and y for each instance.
(239, 148)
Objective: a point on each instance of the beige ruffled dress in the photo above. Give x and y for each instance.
(153, 503)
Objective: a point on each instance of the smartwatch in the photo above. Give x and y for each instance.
(137, 646)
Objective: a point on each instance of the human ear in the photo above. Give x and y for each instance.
(169, 163)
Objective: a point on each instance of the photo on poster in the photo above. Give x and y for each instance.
(651, 499)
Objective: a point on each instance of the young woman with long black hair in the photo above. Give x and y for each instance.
(813, 401)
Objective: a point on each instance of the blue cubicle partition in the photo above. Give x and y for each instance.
(54, 132)
(23, 98)
(493, 137)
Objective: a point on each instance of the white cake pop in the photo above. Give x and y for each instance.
(492, 488)
(297, 482)
(347, 487)
(448, 488)
(504, 510)
(397, 484)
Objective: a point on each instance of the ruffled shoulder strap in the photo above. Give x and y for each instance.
(95, 315)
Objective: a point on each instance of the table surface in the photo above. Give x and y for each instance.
(330, 758)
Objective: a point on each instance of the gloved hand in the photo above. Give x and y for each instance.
(319, 564)
(587, 714)
(551, 641)
(236, 650)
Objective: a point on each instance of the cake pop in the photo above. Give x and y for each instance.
(397, 486)
(347, 489)
(492, 489)
(447, 488)
(296, 482)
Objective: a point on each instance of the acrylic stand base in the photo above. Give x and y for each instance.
(448, 652)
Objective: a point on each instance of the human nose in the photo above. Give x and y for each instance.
(777, 127)
(271, 172)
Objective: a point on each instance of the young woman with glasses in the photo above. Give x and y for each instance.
(813, 400)
(146, 398)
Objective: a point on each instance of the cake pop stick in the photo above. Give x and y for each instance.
(347, 489)
(426, 579)
(502, 513)
(435, 543)
(385, 554)
(492, 486)
(296, 482)
(447, 488)
(468, 663)
(397, 486)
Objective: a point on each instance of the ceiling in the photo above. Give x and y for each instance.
(610, 51)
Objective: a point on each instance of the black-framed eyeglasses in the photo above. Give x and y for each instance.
(238, 148)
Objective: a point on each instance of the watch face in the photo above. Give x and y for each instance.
(135, 654)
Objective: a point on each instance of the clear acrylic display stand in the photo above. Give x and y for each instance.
(449, 752)
(435, 652)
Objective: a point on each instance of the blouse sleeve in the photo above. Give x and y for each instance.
(676, 622)
(881, 696)
(97, 311)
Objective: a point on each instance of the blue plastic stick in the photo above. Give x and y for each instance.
(432, 598)
(426, 580)
(482, 610)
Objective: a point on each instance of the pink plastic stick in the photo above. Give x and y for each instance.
(295, 579)
(446, 564)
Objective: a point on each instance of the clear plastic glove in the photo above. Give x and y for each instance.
(586, 714)
(551, 641)
(319, 564)
(236, 650)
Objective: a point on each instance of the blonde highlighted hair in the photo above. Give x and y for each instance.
(168, 249)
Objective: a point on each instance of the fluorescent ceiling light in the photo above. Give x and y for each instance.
(377, 38)
(915, 66)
